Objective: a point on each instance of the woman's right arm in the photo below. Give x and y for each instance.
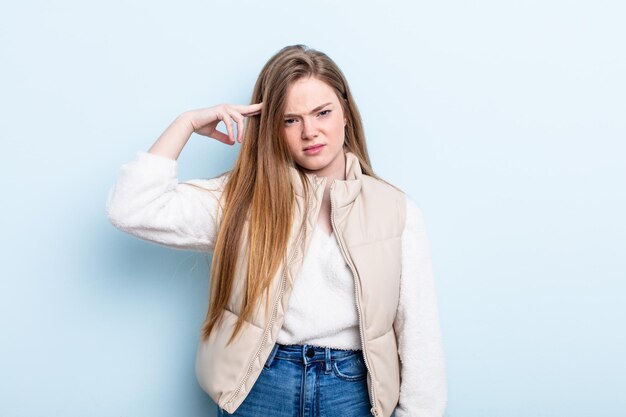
(147, 200)
(423, 386)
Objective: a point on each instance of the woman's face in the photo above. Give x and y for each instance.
(314, 118)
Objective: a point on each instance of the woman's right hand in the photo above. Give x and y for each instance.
(204, 121)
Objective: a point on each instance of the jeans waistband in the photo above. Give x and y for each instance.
(307, 354)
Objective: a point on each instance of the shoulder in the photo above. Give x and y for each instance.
(384, 201)
(379, 184)
(407, 205)
(414, 213)
(382, 190)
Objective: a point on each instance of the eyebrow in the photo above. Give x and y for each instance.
(312, 111)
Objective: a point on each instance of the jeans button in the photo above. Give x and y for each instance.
(310, 352)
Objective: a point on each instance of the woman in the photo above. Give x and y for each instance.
(321, 299)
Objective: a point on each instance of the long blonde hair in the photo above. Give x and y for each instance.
(259, 192)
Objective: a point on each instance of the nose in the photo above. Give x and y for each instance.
(309, 129)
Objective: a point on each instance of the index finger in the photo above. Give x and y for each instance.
(249, 110)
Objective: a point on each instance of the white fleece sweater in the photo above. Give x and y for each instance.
(150, 203)
(322, 308)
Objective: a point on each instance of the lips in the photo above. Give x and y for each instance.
(313, 146)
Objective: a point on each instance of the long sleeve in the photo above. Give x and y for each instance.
(148, 202)
(423, 387)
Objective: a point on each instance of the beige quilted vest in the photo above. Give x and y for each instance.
(368, 218)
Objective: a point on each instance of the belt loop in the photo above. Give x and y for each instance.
(270, 359)
(327, 361)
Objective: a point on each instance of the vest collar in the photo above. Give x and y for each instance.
(345, 191)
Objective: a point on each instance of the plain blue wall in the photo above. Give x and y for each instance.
(504, 120)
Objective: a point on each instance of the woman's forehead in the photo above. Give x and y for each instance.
(307, 94)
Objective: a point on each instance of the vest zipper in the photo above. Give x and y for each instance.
(373, 410)
(269, 327)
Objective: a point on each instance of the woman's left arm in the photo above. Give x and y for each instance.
(423, 388)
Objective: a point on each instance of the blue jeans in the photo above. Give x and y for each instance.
(308, 381)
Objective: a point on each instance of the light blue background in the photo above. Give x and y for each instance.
(503, 120)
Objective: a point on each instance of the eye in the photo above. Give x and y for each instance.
(289, 122)
(324, 112)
